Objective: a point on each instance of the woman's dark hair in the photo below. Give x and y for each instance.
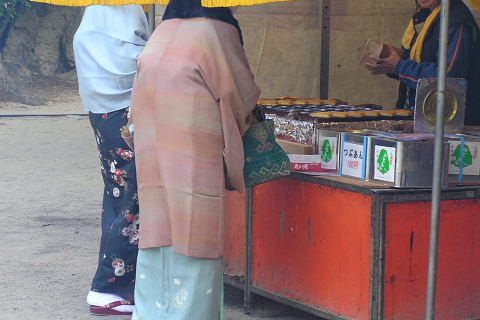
(185, 9)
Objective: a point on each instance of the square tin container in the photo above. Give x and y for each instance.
(425, 104)
(463, 159)
(354, 154)
(327, 145)
(404, 163)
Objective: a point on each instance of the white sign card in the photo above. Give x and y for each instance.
(471, 158)
(352, 159)
(385, 161)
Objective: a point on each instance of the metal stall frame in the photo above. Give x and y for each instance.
(380, 198)
(437, 163)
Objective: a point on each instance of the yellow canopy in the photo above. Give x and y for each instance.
(475, 4)
(205, 3)
(233, 3)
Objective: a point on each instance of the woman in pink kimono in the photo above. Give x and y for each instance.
(191, 104)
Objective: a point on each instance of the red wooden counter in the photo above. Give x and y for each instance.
(345, 249)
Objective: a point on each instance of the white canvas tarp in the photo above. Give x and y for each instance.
(282, 41)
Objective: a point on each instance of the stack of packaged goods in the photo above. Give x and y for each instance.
(308, 129)
(368, 143)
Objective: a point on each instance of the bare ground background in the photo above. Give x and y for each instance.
(50, 200)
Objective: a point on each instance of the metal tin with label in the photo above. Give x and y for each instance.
(327, 145)
(426, 101)
(404, 163)
(463, 158)
(354, 155)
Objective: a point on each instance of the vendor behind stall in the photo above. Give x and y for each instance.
(419, 55)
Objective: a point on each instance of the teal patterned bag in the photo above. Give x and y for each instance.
(265, 160)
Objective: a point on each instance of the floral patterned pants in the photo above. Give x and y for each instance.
(119, 242)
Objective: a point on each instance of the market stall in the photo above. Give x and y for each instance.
(364, 258)
(343, 246)
(354, 244)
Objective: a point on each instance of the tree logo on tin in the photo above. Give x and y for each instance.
(383, 162)
(327, 152)
(467, 156)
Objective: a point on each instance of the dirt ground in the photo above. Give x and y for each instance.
(50, 200)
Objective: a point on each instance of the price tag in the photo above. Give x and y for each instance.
(352, 159)
(305, 162)
(385, 161)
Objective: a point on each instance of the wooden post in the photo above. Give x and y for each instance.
(324, 19)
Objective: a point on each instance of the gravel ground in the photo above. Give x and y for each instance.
(50, 195)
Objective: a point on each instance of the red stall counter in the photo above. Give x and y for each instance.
(345, 249)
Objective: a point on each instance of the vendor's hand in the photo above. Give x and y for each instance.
(384, 65)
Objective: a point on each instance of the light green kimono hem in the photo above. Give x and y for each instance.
(170, 286)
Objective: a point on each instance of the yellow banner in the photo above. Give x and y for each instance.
(475, 4)
(205, 3)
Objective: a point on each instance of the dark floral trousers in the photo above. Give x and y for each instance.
(119, 242)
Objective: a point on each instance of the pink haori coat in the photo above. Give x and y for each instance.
(191, 104)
